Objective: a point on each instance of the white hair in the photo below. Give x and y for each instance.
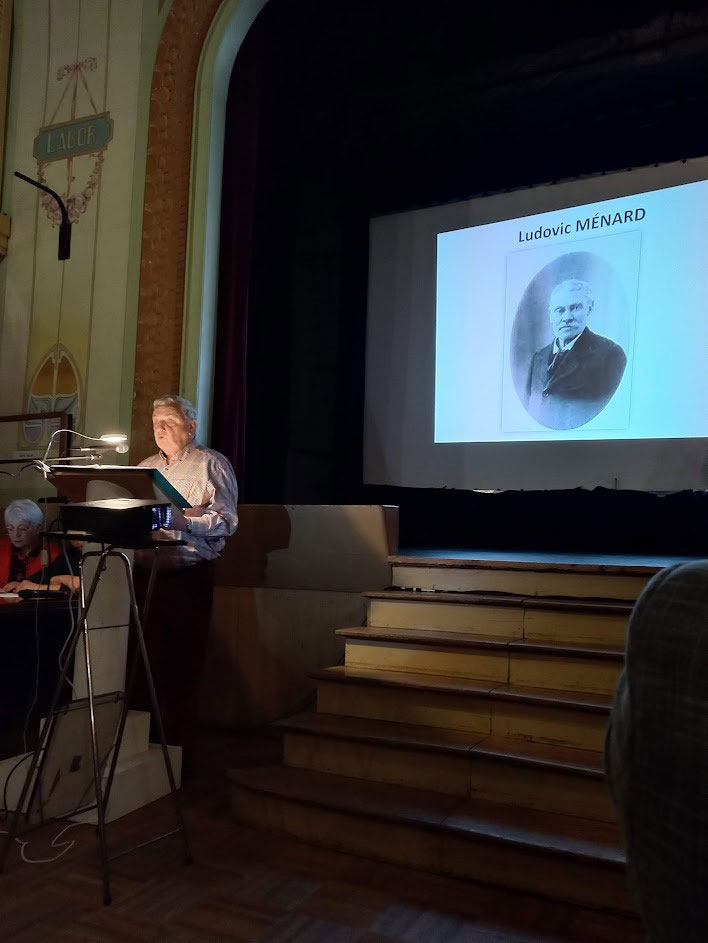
(23, 510)
(576, 284)
(186, 410)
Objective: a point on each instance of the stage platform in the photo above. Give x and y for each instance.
(541, 573)
(514, 559)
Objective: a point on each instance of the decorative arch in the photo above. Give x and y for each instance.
(180, 239)
(56, 386)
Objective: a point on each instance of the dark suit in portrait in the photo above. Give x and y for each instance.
(566, 389)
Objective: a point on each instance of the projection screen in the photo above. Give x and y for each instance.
(552, 337)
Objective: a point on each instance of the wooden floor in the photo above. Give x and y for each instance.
(251, 886)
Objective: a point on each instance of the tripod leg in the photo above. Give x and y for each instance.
(100, 809)
(130, 683)
(156, 708)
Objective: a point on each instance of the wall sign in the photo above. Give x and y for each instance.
(73, 138)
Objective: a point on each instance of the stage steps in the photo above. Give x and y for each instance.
(569, 621)
(559, 717)
(552, 855)
(590, 669)
(579, 580)
(513, 772)
(464, 731)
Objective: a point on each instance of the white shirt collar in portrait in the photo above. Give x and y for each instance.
(557, 345)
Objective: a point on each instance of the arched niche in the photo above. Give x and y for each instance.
(180, 242)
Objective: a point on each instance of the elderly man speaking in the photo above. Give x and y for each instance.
(180, 611)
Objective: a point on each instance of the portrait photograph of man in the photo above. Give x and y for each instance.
(573, 378)
(570, 342)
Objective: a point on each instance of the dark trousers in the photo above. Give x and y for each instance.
(176, 637)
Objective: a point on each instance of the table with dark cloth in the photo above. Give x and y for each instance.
(33, 634)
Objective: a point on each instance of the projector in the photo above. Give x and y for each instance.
(117, 519)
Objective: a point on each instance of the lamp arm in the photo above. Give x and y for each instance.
(65, 227)
(58, 432)
(121, 446)
(41, 186)
(91, 456)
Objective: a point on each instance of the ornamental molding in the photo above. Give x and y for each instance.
(158, 349)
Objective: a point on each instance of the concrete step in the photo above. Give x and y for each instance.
(136, 736)
(138, 780)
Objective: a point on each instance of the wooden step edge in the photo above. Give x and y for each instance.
(568, 649)
(531, 566)
(452, 639)
(467, 820)
(586, 850)
(587, 605)
(420, 636)
(341, 674)
(584, 605)
(427, 740)
(473, 598)
(381, 733)
(591, 703)
(507, 756)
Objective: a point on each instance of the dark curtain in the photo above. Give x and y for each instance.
(575, 520)
(238, 206)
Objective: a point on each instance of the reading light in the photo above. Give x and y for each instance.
(114, 440)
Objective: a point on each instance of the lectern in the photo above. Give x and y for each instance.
(34, 805)
(113, 481)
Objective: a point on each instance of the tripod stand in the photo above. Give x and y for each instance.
(82, 632)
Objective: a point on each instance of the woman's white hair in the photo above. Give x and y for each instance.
(186, 410)
(24, 510)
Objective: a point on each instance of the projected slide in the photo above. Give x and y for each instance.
(583, 323)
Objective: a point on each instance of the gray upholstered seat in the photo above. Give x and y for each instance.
(657, 753)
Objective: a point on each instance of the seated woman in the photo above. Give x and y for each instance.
(26, 560)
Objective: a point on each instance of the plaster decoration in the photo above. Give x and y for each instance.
(77, 137)
(166, 211)
(55, 387)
